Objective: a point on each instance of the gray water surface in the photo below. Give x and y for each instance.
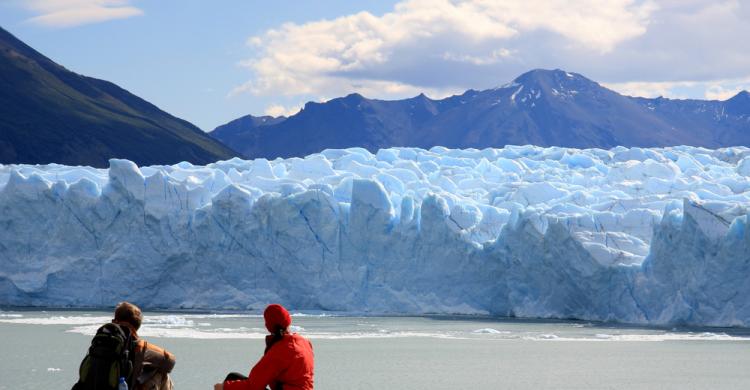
(42, 350)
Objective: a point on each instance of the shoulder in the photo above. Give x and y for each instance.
(296, 337)
(292, 341)
(158, 356)
(300, 342)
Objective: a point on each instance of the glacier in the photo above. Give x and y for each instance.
(634, 235)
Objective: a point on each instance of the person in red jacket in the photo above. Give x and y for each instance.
(287, 363)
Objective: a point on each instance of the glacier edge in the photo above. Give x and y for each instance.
(633, 235)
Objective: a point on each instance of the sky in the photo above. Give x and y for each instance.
(213, 61)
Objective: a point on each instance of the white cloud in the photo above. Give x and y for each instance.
(651, 89)
(279, 110)
(720, 89)
(673, 48)
(720, 92)
(431, 45)
(70, 13)
(492, 58)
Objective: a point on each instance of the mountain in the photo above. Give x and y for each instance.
(540, 107)
(242, 128)
(50, 114)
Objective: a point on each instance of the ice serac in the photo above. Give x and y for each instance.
(651, 236)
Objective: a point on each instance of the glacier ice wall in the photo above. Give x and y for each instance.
(634, 235)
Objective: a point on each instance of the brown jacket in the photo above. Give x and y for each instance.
(151, 366)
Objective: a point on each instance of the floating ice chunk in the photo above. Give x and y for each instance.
(490, 331)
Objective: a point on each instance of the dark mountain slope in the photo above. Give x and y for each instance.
(49, 114)
(236, 130)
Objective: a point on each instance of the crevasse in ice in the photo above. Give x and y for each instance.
(634, 235)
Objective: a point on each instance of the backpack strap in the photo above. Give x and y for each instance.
(139, 350)
(126, 357)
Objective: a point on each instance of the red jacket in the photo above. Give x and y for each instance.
(289, 363)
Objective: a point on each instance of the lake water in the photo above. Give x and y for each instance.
(42, 350)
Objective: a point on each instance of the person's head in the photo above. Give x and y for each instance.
(277, 318)
(126, 312)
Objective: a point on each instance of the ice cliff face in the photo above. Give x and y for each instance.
(634, 235)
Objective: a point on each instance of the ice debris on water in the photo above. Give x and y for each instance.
(490, 331)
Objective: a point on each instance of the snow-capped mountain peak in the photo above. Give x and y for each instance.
(540, 107)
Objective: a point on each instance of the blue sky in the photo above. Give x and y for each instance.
(211, 62)
(181, 55)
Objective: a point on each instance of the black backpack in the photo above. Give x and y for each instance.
(109, 358)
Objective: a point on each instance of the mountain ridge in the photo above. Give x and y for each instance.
(540, 107)
(49, 114)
